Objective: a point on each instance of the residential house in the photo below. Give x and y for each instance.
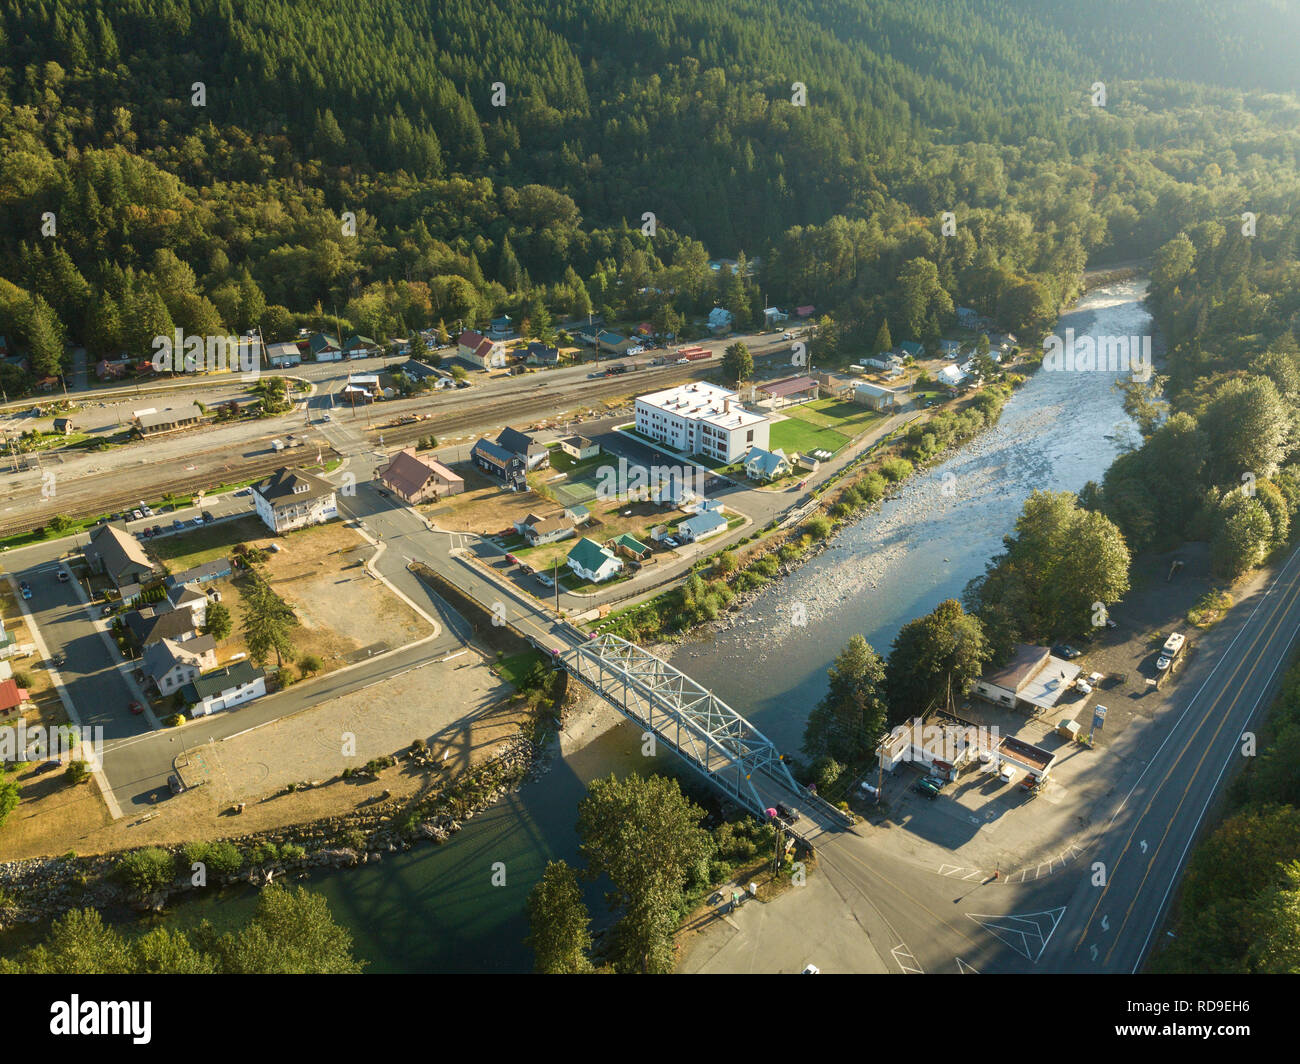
(951, 376)
(201, 574)
(106, 370)
(118, 555)
(774, 316)
(358, 346)
(153, 422)
(590, 561)
(540, 354)
(701, 526)
(293, 498)
(13, 699)
(497, 461)
(362, 388)
(949, 349)
(885, 361)
(417, 479)
(421, 371)
(280, 355)
(535, 455)
(630, 547)
(765, 466)
(538, 530)
(150, 624)
(171, 665)
(577, 513)
(579, 447)
(720, 319)
(227, 688)
(501, 328)
(479, 351)
(910, 347)
(967, 317)
(835, 385)
(63, 425)
(806, 311)
(613, 342)
(325, 348)
(186, 597)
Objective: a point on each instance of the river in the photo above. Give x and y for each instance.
(435, 908)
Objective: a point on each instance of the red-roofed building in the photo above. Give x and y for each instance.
(804, 312)
(12, 697)
(478, 350)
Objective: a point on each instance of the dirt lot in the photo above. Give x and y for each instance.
(485, 506)
(55, 817)
(320, 572)
(47, 709)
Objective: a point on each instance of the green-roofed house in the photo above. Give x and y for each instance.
(360, 347)
(629, 546)
(226, 688)
(593, 562)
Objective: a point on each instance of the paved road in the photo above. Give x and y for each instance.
(1066, 921)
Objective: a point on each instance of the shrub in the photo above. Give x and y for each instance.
(146, 871)
(826, 771)
(818, 527)
(308, 664)
(76, 771)
(895, 469)
(175, 720)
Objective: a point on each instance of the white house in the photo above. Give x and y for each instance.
(187, 597)
(279, 355)
(171, 665)
(701, 418)
(227, 688)
(478, 350)
(1033, 678)
(291, 498)
(593, 562)
(720, 319)
(764, 465)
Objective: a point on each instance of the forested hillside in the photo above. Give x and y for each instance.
(228, 215)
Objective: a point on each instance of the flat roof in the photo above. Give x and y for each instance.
(1026, 753)
(701, 401)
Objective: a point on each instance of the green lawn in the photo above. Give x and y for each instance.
(844, 416)
(184, 550)
(515, 668)
(794, 434)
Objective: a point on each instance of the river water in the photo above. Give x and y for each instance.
(435, 908)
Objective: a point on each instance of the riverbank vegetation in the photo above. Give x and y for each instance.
(647, 838)
(291, 933)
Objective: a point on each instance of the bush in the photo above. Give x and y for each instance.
(308, 664)
(818, 527)
(895, 469)
(175, 720)
(826, 771)
(223, 858)
(146, 871)
(76, 771)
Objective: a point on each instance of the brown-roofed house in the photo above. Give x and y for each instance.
(119, 556)
(417, 479)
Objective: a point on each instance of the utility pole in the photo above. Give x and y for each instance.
(555, 579)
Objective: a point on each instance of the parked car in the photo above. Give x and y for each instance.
(107, 611)
(1064, 650)
(136, 515)
(207, 517)
(147, 533)
(175, 784)
(927, 788)
(545, 580)
(811, 969)
(323, 417)
(136, 709)
(63, 576)
(25, 589)
(178, 524)
(1083, 687)
(790, 816)
(196, 521)
(157, 530)
(249, 491)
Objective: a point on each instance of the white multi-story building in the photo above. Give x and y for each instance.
(291, 498)
(700, 418)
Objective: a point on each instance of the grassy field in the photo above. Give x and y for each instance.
(184, 550)
(795, 434)
(843, 416)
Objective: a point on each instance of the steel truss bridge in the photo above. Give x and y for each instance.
(708, 734)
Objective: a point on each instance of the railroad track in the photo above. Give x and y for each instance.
(449, 416)
(110, 501)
